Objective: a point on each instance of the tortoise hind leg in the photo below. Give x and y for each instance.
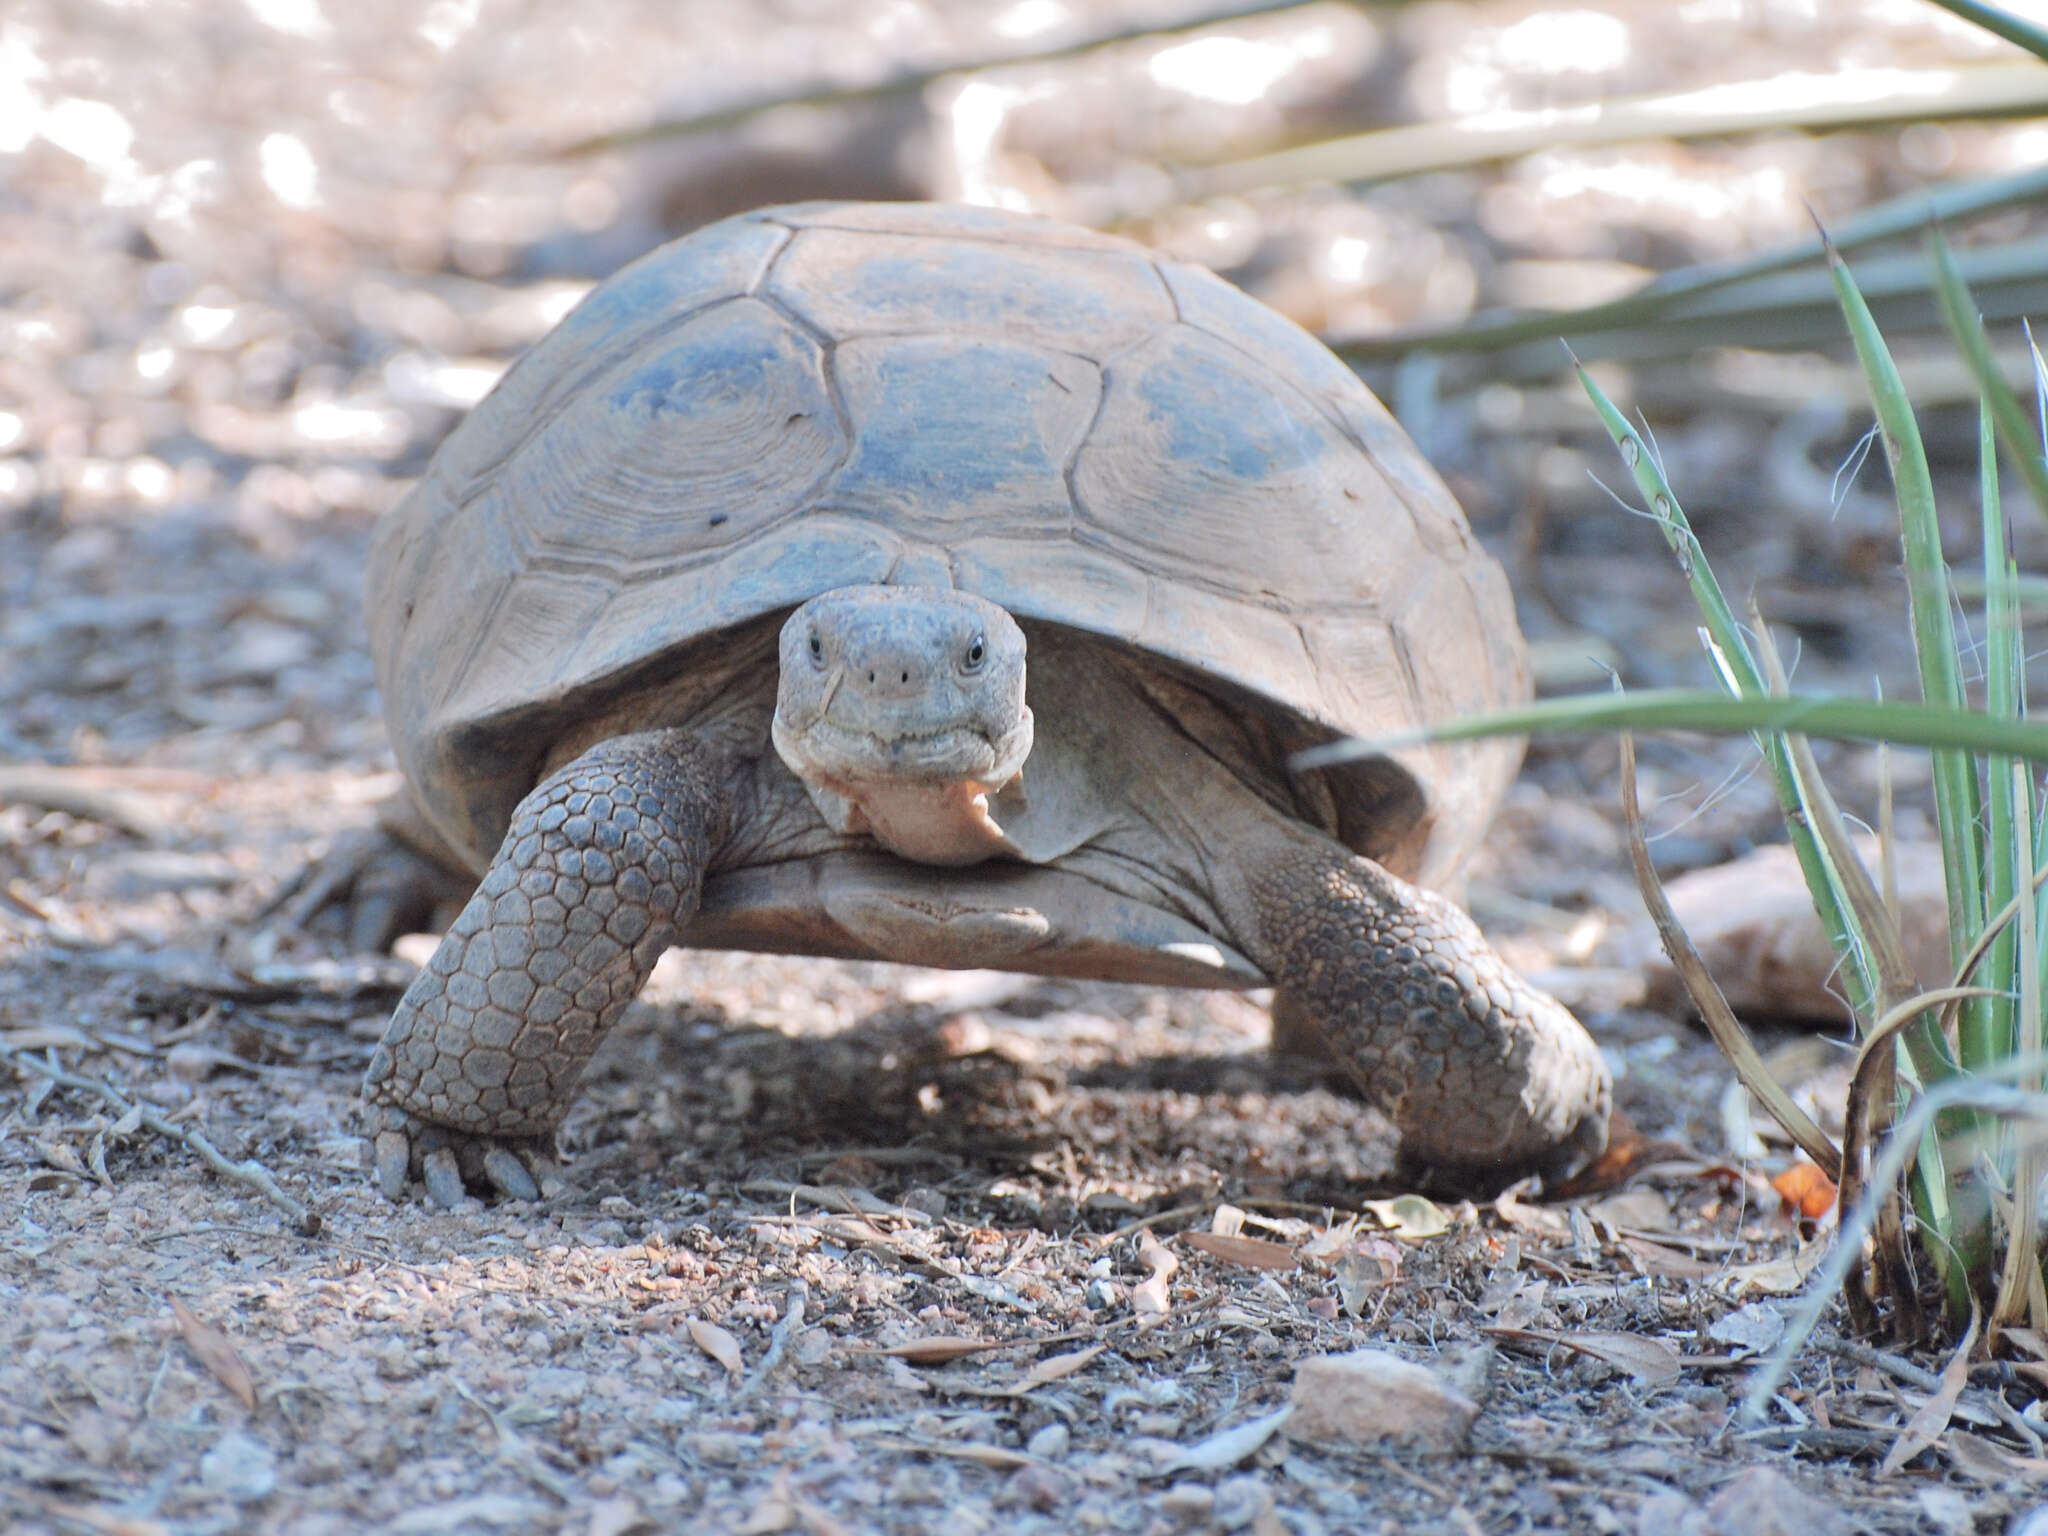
(603, 861)
(1478, 1070)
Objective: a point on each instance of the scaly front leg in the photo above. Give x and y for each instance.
(602, 863)
(1478, 1070)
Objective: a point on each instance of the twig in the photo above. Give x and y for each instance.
(778, 1341)
(515, 1450)
(1848, 1444)
(305, 1219)
(1720, 1019)
(1859, 1353)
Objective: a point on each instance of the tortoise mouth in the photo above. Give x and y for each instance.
(824, 750)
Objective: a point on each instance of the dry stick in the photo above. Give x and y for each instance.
(1706, 996)
(778, 1341)
(1922, 1380)
(250, 1172)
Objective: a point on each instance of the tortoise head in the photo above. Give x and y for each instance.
(902, 710)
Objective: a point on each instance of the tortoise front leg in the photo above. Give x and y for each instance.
(604, 860)
(1477, 1069)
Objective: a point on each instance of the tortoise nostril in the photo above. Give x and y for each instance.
(905, 678)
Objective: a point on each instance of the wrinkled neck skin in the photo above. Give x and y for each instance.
(901, 710)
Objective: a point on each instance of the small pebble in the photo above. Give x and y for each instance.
(1050, 1442)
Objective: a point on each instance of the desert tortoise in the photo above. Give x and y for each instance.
(709, 626)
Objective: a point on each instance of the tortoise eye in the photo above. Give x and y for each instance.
(977, 653)
(817, 648)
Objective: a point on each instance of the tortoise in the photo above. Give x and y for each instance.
(709, 626)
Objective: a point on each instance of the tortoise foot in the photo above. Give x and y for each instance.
(1484, 1076)
(369, 887)
(483, 1052)
(453, 1165)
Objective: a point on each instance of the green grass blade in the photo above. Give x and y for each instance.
(1850, 98)
(1956, 801)
(1659, 298)
(2008, 836)
(2002, 23)
(1740, 674)
(1702, 709)
(1722, 631)
(2015, 430)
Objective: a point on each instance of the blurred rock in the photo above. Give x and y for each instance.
(1754, 926)
(1370, 1398)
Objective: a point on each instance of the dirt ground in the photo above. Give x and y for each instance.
(254, 261)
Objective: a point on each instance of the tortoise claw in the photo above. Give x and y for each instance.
(391, 1163)
(509, 1176)
(455, 1167)
(443, 1177)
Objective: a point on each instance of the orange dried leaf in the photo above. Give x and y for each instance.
(1805, 1189)
(216, 1353)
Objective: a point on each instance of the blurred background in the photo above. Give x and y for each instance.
(256, 256)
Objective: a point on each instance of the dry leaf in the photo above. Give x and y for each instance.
(1931, 1418)
(1805, 1190)
(1645, 1210)
(2026, 1339)
(1410, 1216)
(1227, 1447)
(1039, 1375)
(1986, 1461)
(1053, 1369)
(981, 1454)
(1654, 1362)
(1750, 1329)
(216, 1353)
(1329, 1244)
(1773, 1277)
(1627, 1151)
(1251, 1252)
(1372, 1265)
(940, 1349)
(718, 1344)
(1661, 1263)
(1530, 1218)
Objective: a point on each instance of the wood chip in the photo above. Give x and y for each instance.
(1151, 1297)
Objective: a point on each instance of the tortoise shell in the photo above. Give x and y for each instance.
(825, 394)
